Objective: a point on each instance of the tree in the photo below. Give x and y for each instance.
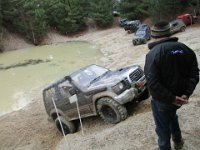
(66, 16)
(26, 17)
(1, 28)
(136, 9)
(162, 9)
(101, 12)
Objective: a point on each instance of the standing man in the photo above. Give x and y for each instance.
(172, 73)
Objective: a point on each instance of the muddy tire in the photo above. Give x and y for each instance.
(111, 111)
(145, 41)
(182, 29)
(129, 32)
(68, 126)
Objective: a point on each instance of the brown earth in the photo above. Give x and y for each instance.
(28, 128)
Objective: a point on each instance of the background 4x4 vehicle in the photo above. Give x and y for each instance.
(123, 22)
(142, 35)
(99, 92)
(188, 19)
(177, 26)
(132, 26)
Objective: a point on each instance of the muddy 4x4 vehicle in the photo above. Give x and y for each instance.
(142, 35)
(132, 26)
(123, 22)
(99, 91)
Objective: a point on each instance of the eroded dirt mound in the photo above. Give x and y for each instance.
(136, 133)
(28, 129)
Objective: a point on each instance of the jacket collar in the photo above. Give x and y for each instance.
(172, 39)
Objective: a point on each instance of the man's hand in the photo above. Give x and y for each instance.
(184, 97)
(179, 101)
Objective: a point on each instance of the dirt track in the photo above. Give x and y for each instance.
(28, 129)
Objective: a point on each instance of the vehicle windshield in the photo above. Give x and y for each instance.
(89, 74)
(140, 32)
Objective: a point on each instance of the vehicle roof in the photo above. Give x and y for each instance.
(123, 19)
(63, 79)
(133, 21)
(183, 15)
(143, 27)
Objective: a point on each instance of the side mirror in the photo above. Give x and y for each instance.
(68, 78)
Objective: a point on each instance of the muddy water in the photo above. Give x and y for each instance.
(51, 62)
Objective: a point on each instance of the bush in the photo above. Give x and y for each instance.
(101, 12)
(26, 17)
(134, 9)
(67, 17)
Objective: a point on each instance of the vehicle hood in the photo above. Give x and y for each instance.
(111, 78)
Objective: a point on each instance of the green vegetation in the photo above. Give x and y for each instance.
(136, 9)
(156, 9)
(101, 12)
(34, 18)
(26, 17)
(66, 16)
(1, 29)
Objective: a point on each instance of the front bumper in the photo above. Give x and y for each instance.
(129, 94)
(138, 41)
(126, 96)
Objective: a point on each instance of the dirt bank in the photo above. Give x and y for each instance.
(28, 129)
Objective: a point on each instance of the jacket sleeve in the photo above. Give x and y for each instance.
(193, 76)
(157, 90)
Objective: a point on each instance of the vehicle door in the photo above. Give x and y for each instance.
(84, 102)
(69, 98)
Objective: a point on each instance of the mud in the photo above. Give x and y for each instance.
(29, 129)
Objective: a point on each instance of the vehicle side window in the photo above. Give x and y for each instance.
(175, 24)
(64, 89)
(48, 94)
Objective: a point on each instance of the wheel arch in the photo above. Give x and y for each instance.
(98, 96)
(53, 114)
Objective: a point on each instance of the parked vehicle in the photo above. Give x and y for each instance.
(116, 13)
(132, 26)
(177, 26)
(98, 91)
(142, 35)
(123, 22)
(188, 19)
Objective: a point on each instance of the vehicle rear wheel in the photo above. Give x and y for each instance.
(129, 32)
(145, 41)
(68, 126)
(111, 111)
(182, 29)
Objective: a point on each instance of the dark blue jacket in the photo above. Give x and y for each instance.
(171, 69)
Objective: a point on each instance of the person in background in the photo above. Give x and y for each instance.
(172, 73)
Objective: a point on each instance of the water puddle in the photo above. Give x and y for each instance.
(24, 70)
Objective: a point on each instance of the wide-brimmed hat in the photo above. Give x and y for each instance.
(161, 29)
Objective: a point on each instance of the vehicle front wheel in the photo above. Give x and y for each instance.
(134, 42)
(68, 126)
(111, 111)
(182, 29)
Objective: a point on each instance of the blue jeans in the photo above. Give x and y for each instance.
(167, 125)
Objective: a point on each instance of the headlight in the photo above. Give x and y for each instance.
(118, 88)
